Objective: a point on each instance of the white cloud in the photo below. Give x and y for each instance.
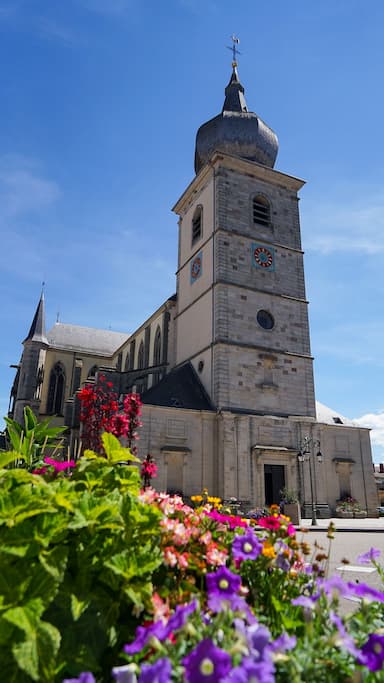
(25, 194)
(354, 226)
(23, 188)
(53, 30)
(108, 7)
(352, 342)
(375, 421)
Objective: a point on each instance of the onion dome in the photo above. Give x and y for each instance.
(236, 131)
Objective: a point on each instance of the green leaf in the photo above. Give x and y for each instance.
(30, 420)
(26, 618)
(114, 451)
(36, 656)
(78, 606)
(27, 658)
(7, 457)
(14, 432)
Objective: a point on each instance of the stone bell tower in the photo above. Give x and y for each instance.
(30, 374)
(242, 311)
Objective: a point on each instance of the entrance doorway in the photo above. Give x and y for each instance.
(274, 481)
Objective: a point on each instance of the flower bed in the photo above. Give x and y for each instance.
(102, 580)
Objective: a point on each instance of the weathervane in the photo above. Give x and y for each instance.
(235, 51)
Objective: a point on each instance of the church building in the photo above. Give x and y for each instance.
(224, 366)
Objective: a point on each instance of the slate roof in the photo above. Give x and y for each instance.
(86, 339)
(327, 415)
(37, 330)
(181, 388)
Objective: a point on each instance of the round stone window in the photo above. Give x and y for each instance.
(265, 320)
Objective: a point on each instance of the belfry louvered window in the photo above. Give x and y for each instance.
(261, 211)
(197, 224)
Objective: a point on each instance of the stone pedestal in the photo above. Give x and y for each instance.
(292, 510)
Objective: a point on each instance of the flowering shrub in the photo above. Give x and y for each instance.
(101, 412)
(148, 470)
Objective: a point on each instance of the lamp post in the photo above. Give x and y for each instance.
(307, 453)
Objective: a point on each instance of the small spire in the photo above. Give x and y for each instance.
(37, 330)
(234, 94)
(234, 50)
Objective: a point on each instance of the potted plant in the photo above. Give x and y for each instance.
(345, 507)
(290, 504)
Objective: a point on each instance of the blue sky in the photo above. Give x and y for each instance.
(101, 100)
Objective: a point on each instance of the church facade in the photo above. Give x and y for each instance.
(224, 366)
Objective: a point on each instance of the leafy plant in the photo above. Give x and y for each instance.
(77, 555)
(289, 495)
(31, 440)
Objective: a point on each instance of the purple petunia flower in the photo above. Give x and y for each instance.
(206, 663)
(246, 546)
(143, 636)
(85, 677)
(282, 563)
(222, 589)
(159, 672)
(283, 643)
(249, 670)
(305, 601)
(334, 587)
(371, 556)
(372, 652)
(125, 673)
(258, 637)
(346, 639)
(361, 590)
(180, 616)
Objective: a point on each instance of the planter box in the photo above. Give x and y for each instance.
(292, 510)
(345, 514)
(360, 514)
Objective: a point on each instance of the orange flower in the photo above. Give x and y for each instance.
(268, 550)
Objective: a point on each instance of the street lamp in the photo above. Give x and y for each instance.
(307, 453)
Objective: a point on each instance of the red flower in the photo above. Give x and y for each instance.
(273, 523)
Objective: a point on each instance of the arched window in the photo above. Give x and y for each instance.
(197, 224)
(140, 386)
(127, 365)
(261, 210)
(157, 356)
(92, 372)
(140, 356)
(56, 390)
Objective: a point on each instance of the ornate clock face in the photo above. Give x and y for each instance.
(196, 267)
(263, 257)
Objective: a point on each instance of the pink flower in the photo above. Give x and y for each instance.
(58, 465)
(39, 470)
(215, 556)
(170, 556)
(231, 520)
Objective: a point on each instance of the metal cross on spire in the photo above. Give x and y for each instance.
(235, 51)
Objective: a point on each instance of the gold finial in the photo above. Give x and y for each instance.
(235, 41)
